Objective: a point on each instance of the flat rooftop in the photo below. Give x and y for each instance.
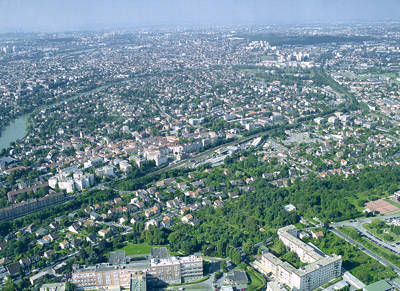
(159, 253)
(117, 258)
(290, 233)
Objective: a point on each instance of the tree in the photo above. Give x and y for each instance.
(155, 236)
(224, 267)
(9, 285)
(248, 248)
(388, 237)
(280, 248)
(69, 286)
(11, 179)
(217, 275)
(377, 223)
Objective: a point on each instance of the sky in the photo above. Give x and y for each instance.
(62, 15)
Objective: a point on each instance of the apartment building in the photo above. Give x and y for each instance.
(321, 268)
(307, 253)
(33, 205)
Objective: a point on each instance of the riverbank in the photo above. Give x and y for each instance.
(16, 130)
(20, 126)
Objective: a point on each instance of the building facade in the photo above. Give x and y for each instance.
(321, 268)
(171, 270)
(31, 206)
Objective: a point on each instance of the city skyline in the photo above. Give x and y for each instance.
(52, 16)
(243, 145)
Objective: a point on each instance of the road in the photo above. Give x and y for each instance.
(200, 156)
(365, 250)
(358, 225)
(127, 228)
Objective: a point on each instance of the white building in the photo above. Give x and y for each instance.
(124, 166)
(78, 181)
(195, 121)
(157, 157)
(87, 164)
(83, 181)
(53, 182)
(171, 270)
(289, 207)
(332, 120)
(321, 268)
(106, 171)
(319, 120)
(53, 287)
(157, 154)
(66, 184)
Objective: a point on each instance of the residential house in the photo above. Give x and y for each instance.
(64, 245)
(103, 232)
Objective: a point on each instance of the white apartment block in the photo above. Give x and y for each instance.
(124, 166)
(106, 171)
(79, 181)
(66, 184)
(321, 268)
(306, 253)
(157, 157)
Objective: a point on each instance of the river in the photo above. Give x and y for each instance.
(17, 128)
(13, 132)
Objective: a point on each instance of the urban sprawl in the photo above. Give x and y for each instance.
(229, 158)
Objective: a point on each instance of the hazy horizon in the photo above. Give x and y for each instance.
(56, 15)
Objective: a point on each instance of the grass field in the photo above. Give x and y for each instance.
(138, 249)
(257, 282)
(385, 233)
(388, 255)
(202, 287)
(362, 197)
(358, 263)
(299, 225)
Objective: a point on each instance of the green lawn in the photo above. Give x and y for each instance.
(388, 200)
(292, 259)
(138, 249)
(299, 225)
(312, 221)
(388, 255)
(387, 236)
(358, 263)
(196, 287)
(257, 282)
(391, 213)
(361, 198)
(392, 76)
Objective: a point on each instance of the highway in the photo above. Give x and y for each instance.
(365, 250)
(358, 225)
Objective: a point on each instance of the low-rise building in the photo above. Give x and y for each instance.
(171, 270)
(381, 285)
(53, 287)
